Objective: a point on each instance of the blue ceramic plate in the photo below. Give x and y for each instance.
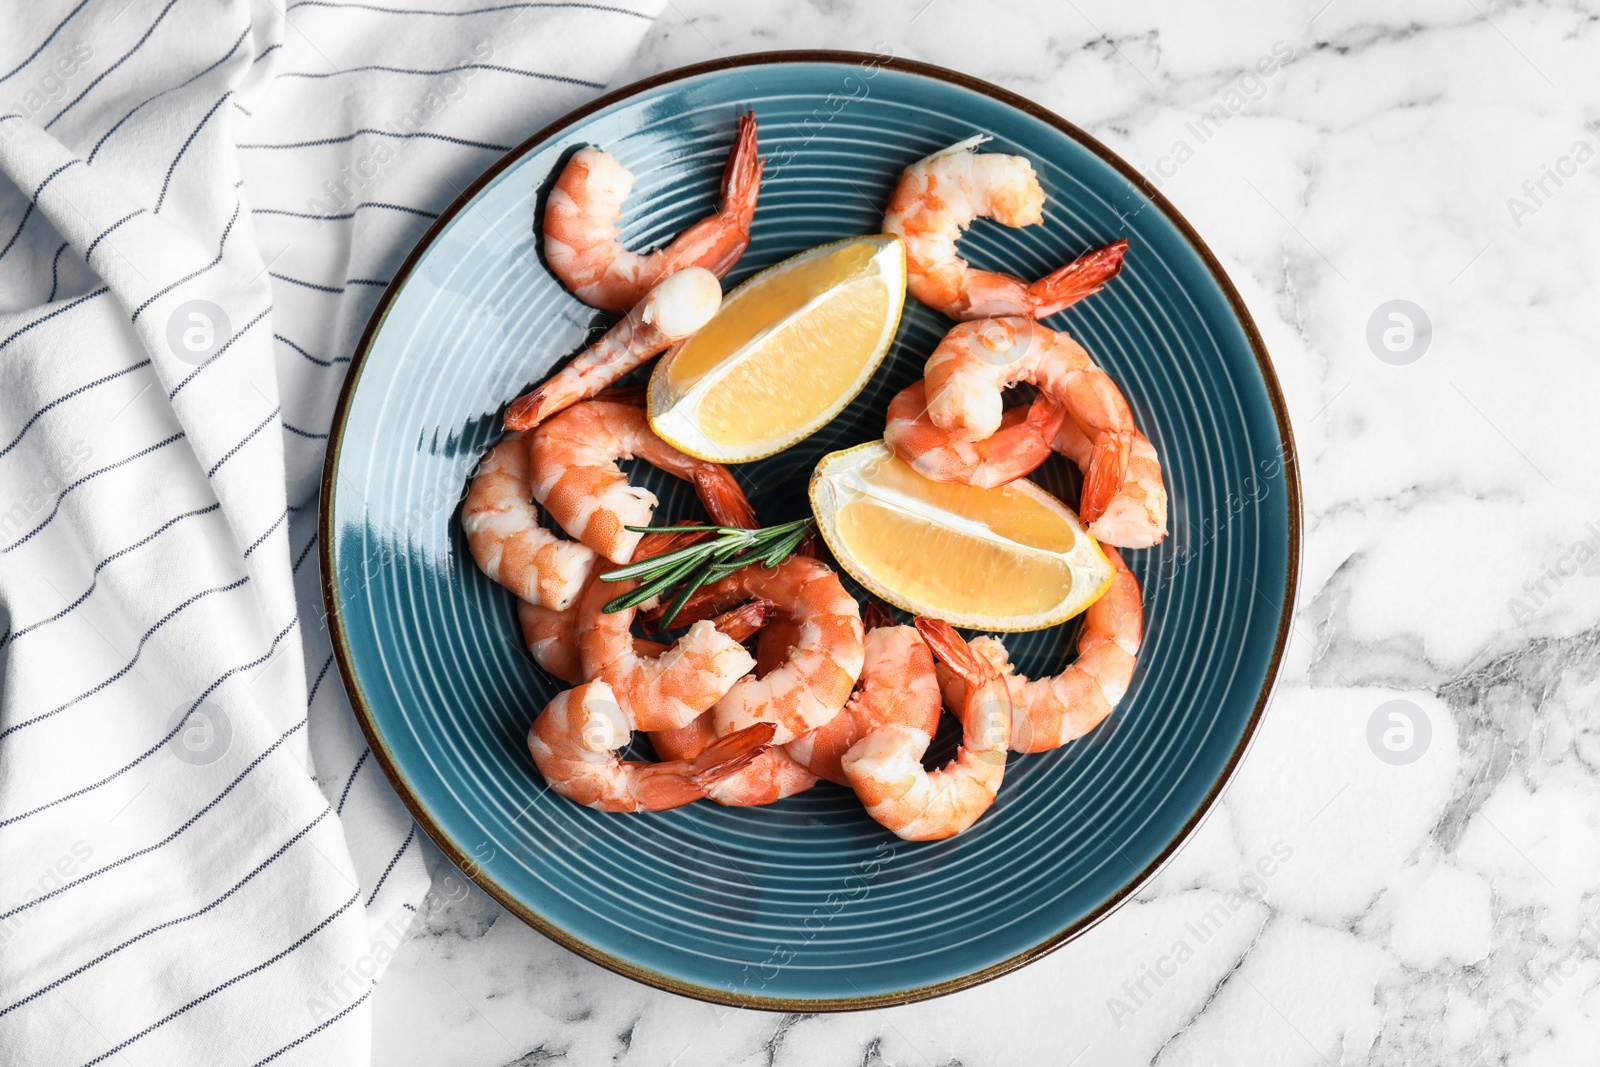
(808, 904)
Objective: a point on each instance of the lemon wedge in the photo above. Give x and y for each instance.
(1010, 558)
(788, 350)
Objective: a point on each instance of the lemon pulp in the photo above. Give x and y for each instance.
(1010, 558)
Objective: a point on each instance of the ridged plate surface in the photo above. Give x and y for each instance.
(806, 904)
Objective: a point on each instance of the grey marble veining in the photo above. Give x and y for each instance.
(1351, 901)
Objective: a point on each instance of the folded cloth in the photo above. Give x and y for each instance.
(199, 861)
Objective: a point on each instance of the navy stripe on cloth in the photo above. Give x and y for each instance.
(411, 836)
(174, 835)
(313, 932)
(231, 672)
(366, 131)
(133, 662)
(63, 398)
(111, 69)
(315, 1030)
(56, 508)
(103, 564)
(136, 938)
(12, 73)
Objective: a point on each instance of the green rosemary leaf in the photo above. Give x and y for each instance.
(673, 529)
(729, 549)
(656, 564)
(694, 582)
(654, 586)
(781, 550)
(723, 568)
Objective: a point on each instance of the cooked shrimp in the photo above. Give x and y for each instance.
(769, 776)
(552, 636)
(940, 196)
(506, 540)
(767, 779)
(1137, 510)
(663, 691)
(552, 640)
(1124, 501)
(671, 311)
(1049, 712)
(581, 231)
(773, 774)
(780, 633)
(576, 477)
(885, 767)
(574, 744)
(1020, 444)
(811, 686)
(897, 685)
(818, 672)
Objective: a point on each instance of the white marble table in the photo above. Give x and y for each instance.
(1431, 905)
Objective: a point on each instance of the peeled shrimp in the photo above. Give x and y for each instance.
(668, 313)
(552, 636)
(552, 640)
(1022, 442)
(576, 477)
(885, 767)
(769, 777)
(1136, 514)
(1124, 501)
(897, 685)
(667, 690)
(581, 231)
(811, 686)
(937, 198)
(817, 674)
(506, 540)
(1049, 712)
(574, 741)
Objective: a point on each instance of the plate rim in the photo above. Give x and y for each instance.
(859, 1002)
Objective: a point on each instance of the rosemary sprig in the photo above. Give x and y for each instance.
(727, 550)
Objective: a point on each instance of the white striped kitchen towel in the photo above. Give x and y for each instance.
(201, 201)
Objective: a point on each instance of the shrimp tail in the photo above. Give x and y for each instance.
(1108, 466)
(727, 756)
(703, 603)
(875, 616)
(953, 650)
(530, 409)
(719, 491)
(744, 621)
(1083, 277)
(728, 231)
(741, 179)
(1044, 419)
(742, 175)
